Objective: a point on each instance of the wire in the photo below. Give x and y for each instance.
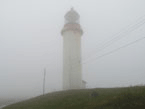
(120, 35)
(108, 53)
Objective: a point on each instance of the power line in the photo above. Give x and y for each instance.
(115, 50)
(120, 35)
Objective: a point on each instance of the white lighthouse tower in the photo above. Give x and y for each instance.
(72, 69)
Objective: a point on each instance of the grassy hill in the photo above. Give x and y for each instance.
(5, 101)
(99, 98)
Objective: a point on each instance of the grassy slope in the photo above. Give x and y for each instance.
(5, 101)
(113, 98)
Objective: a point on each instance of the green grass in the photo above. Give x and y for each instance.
(108, 98)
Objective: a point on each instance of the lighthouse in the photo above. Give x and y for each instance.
(72, 68)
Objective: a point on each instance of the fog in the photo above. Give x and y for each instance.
(30, 40)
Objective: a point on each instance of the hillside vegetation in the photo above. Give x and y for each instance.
(5, 101)
(99, 98)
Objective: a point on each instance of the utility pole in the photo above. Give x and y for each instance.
(44, 81)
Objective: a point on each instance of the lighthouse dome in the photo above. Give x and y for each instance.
(72, 16)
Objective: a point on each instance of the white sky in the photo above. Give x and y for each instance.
(30, 40)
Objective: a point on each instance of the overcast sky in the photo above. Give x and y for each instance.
(30, 41)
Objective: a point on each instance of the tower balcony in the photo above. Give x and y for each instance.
(75, 27)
